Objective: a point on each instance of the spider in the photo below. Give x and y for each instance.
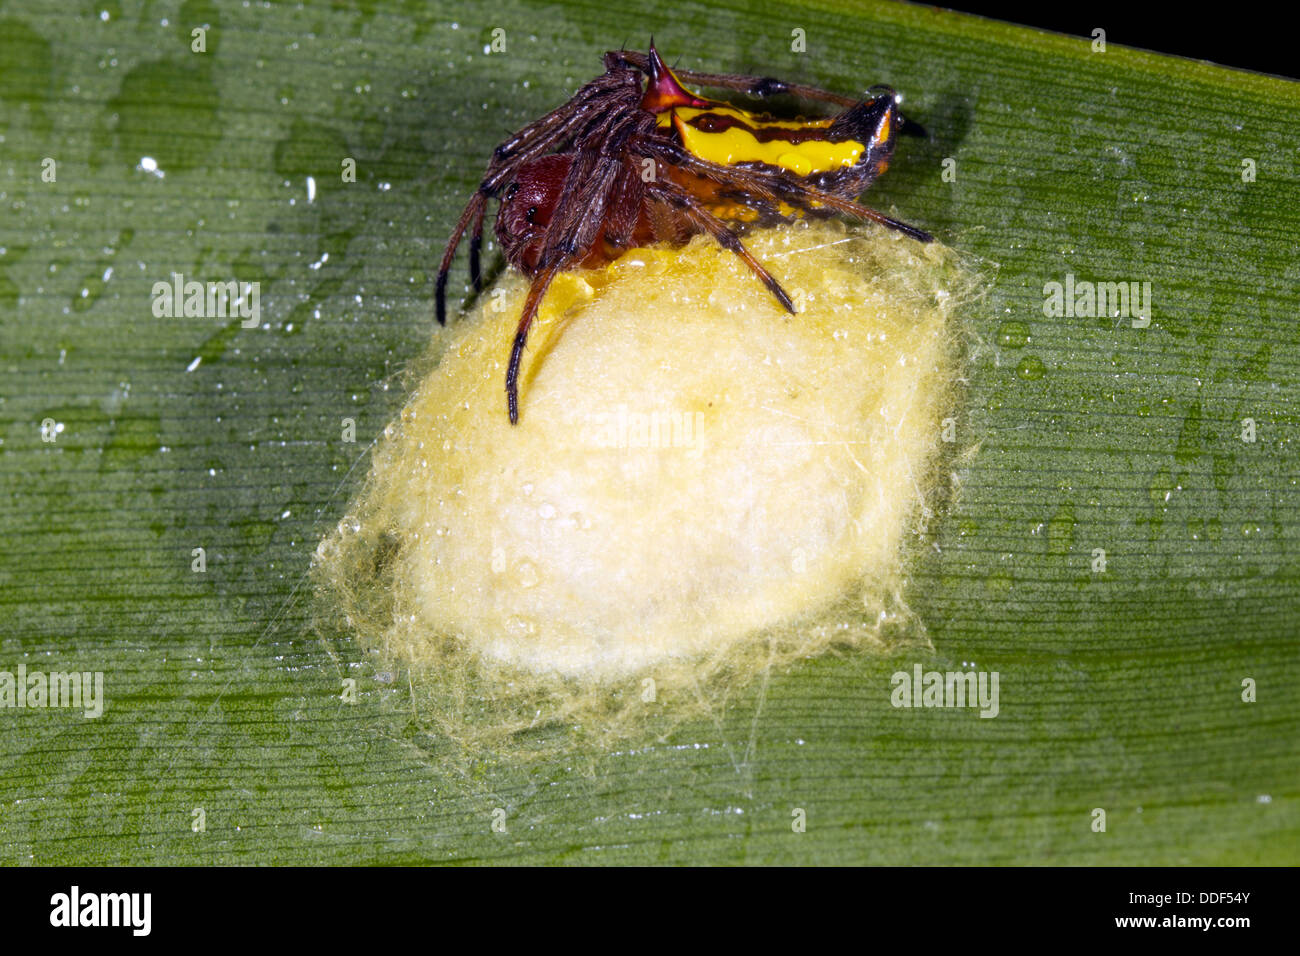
(622, 165)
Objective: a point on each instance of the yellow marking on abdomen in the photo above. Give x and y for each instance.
(739, 145)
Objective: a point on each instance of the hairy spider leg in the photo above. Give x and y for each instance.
(589, 185)
(473, 209)
(707, 222)
(475, 247)
(625, 206)
(541, 282)
(774, 187)
(554, 130)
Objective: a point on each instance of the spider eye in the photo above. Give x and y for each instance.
(532, 211)
(511, 190)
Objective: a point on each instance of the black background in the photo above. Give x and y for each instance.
(1249, 36)
(915, 908)
(799, 910)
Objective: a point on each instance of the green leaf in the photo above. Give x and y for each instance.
(1120, 689)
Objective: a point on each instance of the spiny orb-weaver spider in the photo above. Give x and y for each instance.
(622, 165)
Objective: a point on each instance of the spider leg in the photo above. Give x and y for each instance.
(547, 126)
(811, 195)
(584, 199)
(773, 188)
(625, 206)
(541, 282)
(553, 131)
(475, 245)
(473, 209)
(593, 179)
(530, 140)
(747, 182)
(694, 210)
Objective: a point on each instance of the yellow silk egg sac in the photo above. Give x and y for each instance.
(700, 486)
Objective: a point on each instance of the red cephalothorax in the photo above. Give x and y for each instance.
(622, 165)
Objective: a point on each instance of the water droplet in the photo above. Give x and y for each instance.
(92, 287)
(1031, 368)
(155, 101)
(1013, 335)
